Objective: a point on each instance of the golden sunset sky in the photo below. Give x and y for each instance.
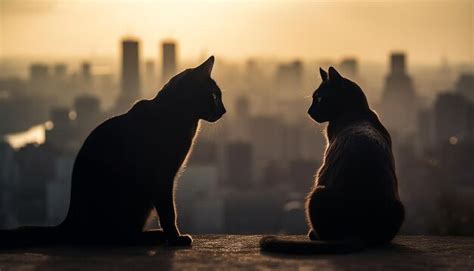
(369, 30)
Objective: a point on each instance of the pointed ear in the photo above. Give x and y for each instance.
(324, 74)
(206, 67)
(334, 75)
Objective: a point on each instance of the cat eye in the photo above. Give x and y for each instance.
(319, 99)
(214, 96)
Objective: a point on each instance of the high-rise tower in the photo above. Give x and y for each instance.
(169, 60)
(130, 76)
(398, 105)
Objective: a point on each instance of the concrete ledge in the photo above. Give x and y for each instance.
(237, 252)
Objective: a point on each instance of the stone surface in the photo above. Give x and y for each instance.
(234, 252)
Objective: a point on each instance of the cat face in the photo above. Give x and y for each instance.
(336, 96)
(324, 100)
(196, 92)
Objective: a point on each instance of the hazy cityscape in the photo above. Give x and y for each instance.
(250, 172)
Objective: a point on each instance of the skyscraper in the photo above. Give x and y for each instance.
(169, 60)
(86, 71)
(399, 97)
(150, 79)
(130, 76)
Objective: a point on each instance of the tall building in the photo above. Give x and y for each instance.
(240, 121)
(130, 76)
(289, 78)
(169, 60)
(39, 78)
(150, 80)
(38, 72)
(88, 115)
(398, 105)
(86, 70)
(86, 77)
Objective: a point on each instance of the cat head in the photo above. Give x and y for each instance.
(336, 97)
(195, 93)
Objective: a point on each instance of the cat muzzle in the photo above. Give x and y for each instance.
(216, 116)
(315, 116)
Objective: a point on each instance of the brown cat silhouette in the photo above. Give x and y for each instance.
(354, 202)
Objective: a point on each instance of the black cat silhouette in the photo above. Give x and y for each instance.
(354, 203)
(127, 166)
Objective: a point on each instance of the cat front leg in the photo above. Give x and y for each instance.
(166, 210)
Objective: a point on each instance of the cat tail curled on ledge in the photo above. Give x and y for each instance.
(275, 245)
(31, 236)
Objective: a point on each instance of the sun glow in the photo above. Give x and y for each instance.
(241, 29)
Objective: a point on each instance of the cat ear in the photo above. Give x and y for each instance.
(324, 74)
(334, 75)
(206, 67)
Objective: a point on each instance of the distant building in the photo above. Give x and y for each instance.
(267, 137)
(86, 71)
(253, 77)
(200, 205)
(60, 71)
(35, 168)
(204, 153)
(86, 78)
(169, 60)
(426, 135)
(130, 76)
(39, 72)
(349, 68)
(289, 78)
(240, 121)
(151, 86)
(58, 189)
(453, 118)
(39, 78)
(465, 85)
(88, 115)
(302, 174)
(63, 135)
(239, 158)
(398, 105)
(8, 183)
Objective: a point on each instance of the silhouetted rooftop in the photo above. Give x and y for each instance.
(234, 252)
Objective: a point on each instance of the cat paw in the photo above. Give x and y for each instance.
(180, 240)
(312, 235)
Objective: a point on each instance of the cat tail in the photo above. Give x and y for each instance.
(275, 245)
(31, 236)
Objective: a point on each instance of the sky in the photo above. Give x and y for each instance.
(368, 30)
